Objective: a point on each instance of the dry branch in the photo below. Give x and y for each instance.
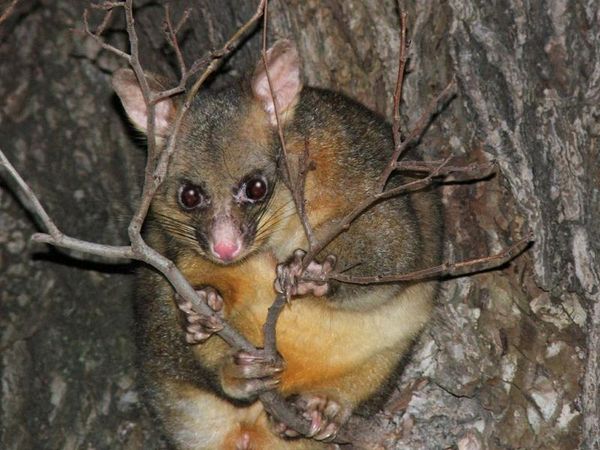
(470, 172)
(154, 176)
(400, 78)
(469, 266)
(8, 11)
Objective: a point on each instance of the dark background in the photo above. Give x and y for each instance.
(510, 360)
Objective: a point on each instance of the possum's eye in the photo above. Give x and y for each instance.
(254, 190)
(190, 196)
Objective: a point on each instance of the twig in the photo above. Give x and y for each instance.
(229, 46)
(287, 177)
(273, 402)
(441, 99)
(8, 11)
(473, 171)
(171, 35)
(96, 36)
(448, 268)
(139, 250)
(144, 253)
(400, 79)
(305, 164)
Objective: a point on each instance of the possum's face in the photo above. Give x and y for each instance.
(222, 197)
(219, 195)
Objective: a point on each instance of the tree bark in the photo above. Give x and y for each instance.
(512, 356)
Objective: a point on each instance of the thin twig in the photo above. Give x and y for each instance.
(35, 204)
(8, 11)
(449, 268)
(418, 129)
(229, 46)
(184, 18)
(171, 34)
(99, 40)
(400, 79)
(305, 165)
(473, 171)
(287, 178)
(146, 254)
(273, 402)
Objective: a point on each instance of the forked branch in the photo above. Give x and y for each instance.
(154, 175)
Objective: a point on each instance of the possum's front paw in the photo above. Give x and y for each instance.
(245, 375)
(199, 327)
(289, 276)
(326, 417)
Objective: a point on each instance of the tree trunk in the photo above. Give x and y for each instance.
(512, 357)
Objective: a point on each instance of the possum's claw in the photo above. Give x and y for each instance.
(326, 417)
(200, 327)
(247, 374)
(289, 276)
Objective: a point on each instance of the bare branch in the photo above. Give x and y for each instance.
(400, 78)
(287, 177)
(171, 35)
(449, 268)
(229, 46)
(417, 130)
(34, 204)
(107, 5)
(58, 239)
(8, 11)
(473, 171)
(141, 253)
(304, 166)
(99, 40)
(183, 20)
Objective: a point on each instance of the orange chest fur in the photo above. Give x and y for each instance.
(246, 288)
(313, 338)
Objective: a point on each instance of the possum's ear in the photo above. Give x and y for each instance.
(284, 72)
(128, 89)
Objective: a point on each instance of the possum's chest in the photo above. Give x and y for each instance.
(318, 342)
(246, 288)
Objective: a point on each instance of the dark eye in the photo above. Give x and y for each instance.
(190, 196)
(256, 189)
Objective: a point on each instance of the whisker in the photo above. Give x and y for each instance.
(274, 219)
(272, 226)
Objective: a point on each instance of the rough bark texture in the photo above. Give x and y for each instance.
(512, 358)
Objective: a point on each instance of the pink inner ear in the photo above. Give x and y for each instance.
(128, 90)
(284, 72)
(163, 112)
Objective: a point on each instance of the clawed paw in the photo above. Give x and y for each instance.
(326, 417)
(289, 276)
(247, 374)
(200, 327)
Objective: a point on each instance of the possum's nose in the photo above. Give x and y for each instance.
(226, 238)
(226, 250)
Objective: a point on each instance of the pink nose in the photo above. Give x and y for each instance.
(226, 250)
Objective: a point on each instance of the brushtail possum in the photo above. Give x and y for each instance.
(225, 217)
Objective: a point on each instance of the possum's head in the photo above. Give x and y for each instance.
(221, 197)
